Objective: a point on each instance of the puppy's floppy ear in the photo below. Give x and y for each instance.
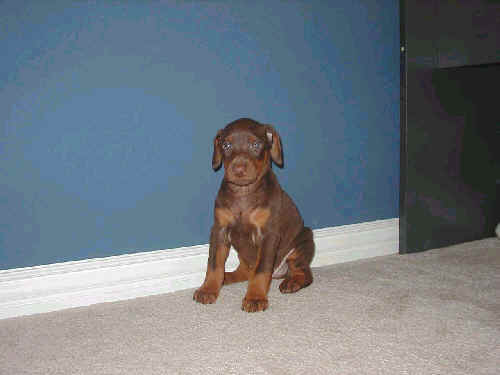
(274, 140)
(217, 155)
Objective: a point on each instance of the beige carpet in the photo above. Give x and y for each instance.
(436, 312)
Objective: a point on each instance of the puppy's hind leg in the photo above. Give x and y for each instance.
(240, 274)
(299, 273)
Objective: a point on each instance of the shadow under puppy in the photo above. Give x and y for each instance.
(256, 217)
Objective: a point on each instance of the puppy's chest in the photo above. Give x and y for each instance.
(244, 237)
(245, 228)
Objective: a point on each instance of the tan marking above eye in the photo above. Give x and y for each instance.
(259, 217)
(224, 217)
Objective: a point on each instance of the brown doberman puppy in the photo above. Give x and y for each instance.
(256, 217)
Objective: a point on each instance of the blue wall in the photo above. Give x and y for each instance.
(107, 115)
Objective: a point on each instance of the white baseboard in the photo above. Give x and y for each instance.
(39, 289)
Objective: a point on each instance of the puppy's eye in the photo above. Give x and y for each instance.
(226, 146)
(255, 146)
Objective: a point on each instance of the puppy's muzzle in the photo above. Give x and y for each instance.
(239, 169)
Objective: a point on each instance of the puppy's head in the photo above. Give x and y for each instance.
(246, 148)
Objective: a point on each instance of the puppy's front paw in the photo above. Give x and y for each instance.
(205, 296)
(254, 304)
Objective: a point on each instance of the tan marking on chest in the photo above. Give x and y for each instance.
(224, 217)
(259, 217)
